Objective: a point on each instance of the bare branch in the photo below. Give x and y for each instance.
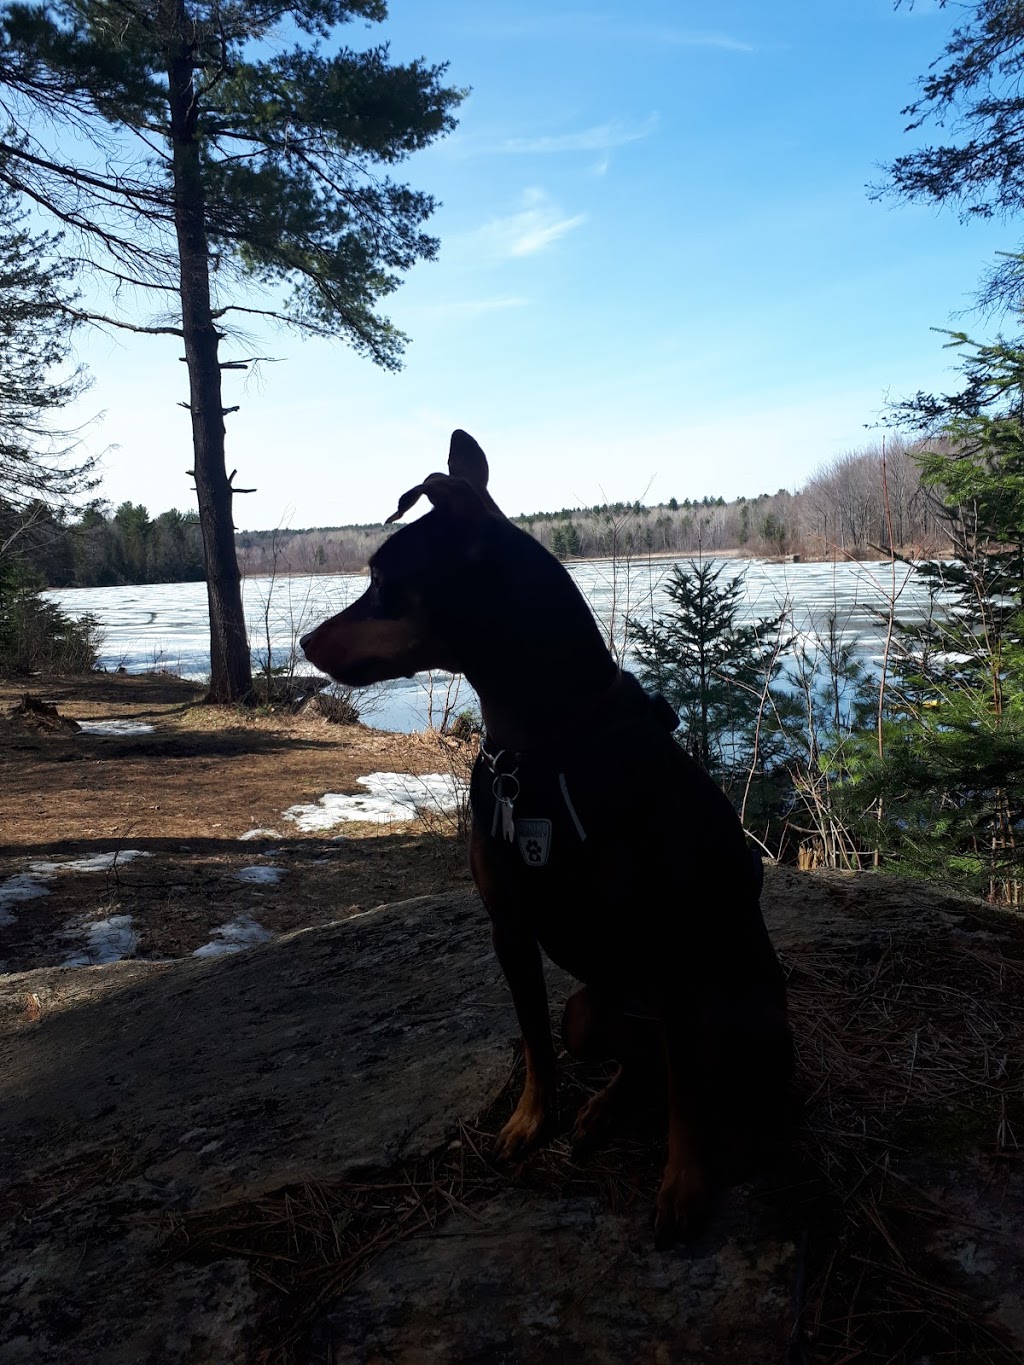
(86, 315)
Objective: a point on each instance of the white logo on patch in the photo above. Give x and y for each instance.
(534, 840)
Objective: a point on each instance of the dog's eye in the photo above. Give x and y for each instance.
(393, 598)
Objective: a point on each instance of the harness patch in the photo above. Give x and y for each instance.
(534, 840)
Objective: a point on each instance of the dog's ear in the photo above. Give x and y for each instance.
(409, 499)
(454, 495)
(467, 461)
(462, 491)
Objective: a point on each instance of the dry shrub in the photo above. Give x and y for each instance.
(456, 756)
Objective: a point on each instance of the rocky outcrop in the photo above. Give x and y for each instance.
(154, 1115)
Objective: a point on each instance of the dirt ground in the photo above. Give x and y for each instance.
(280, 1157)
(185, 794)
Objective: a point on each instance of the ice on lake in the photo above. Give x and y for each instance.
(165, 625)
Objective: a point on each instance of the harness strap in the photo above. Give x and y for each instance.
(504, 764)
(571, 808)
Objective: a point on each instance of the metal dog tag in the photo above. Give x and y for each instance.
(534, 840)
(505, 788)
(503, 818)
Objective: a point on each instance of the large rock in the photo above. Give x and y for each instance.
(139, 1098)
(555, 1280)
(319, 1052)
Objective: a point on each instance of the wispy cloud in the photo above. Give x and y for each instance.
(600, 138)
(536, 226)
(674, 37)
(581, 26)
(536, 235)
(459, 310)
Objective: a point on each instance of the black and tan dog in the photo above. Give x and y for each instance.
(594, 836)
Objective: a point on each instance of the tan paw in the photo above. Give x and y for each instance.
(682, 1205)
(529, 1127)
(593, 1119)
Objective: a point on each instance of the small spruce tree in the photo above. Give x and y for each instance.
(723, 678)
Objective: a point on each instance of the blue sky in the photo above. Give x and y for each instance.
(660, 272)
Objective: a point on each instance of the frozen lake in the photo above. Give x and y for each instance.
(164, 625)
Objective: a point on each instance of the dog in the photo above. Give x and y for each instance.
(594, 837)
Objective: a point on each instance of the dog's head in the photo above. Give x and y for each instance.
(411, 616)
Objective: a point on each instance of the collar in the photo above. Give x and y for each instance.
(623, 702)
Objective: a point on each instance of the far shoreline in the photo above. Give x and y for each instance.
(913, 555)
(910, 555)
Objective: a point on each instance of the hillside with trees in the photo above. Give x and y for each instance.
(840, 512)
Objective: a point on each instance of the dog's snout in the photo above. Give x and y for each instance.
(312, 644)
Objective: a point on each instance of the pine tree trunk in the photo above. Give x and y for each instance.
(230, 664)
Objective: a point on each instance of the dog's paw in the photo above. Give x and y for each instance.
(529, 1127)
(594, 1119)
(682, 1205)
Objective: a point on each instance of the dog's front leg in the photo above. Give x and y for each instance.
(682, 1203)
(536, 1113)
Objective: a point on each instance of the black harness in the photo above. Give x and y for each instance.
(580, 833)
(536, 804)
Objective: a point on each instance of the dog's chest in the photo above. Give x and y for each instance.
(532, 822)
(569, 867)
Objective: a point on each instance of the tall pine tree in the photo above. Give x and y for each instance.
(41, 465)
(238, 168)
(972, 94)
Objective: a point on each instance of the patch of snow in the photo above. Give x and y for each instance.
(259, 834)
(115, 727)
(260, 875)
(106, 940)
(974, 1260)
(23, 887)
(232, 937)
(99, 862)
(392, 797)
